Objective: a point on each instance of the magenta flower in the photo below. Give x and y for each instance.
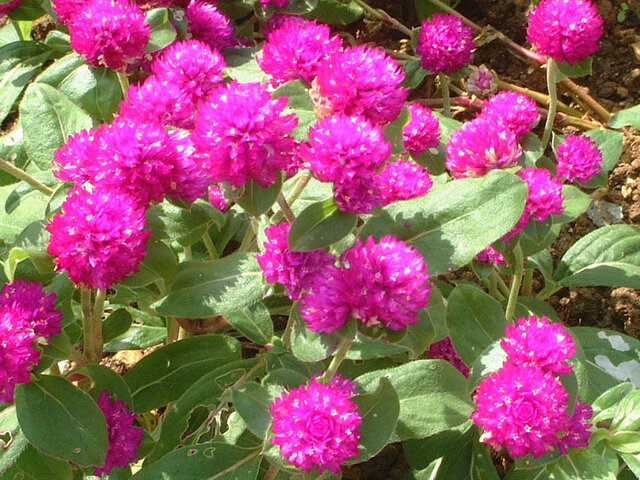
(124, 437)
(361, 81)
(210, 25)
(110, 33)
(386, 282)
(445, 350)
(217, 198)
(579, 158)
(188, 180)
(481, 81)
(403, 180)
(515, 110)
(316, 425)
(565, 30)
(7, 7)
(33, 305)
(323, 306)
(358, 194)
(480, 146)
(535, 341)
(422, 132)
(99, 237)
(445, 44)
(522, 408)
(578, 430)
(242, 134)
(66, 8)
(74, 158)
(281, 264)
(295, 49)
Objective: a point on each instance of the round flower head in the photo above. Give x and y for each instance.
(535, 341)
(110, 33)
(124, 437)
(515, 110)
(565, 30)
(490, 255)
(480, 146)
(403, 180)
(358, 194)
(241, 134)
(422, 132)
(289, 268)
(323, 306)
(445, 350)
(445, 44)
(188, 181)
(543, 200)
(209, 24)
(99, 237)
(344, 147)
(387, 282)
(74, 158)
(66, 8)
(578, 430)
(481, 81)
(362, 81)
(33, 305)
(295, 49)
(579, 158)
(7, 7)
(522, 408)
(18, 354)
(316, 425)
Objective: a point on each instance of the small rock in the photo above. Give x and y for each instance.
(604, 213)
(622, 92)
(634, 213)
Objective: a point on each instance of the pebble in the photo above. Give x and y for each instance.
(622, 92)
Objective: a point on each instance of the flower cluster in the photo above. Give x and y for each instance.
(208, 24)
(578, 158)
(445, 44)
(317, 425)
(403, 180)
(28, 317)
(515, 111)
(524, 406)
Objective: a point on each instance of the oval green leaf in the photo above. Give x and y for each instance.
(319, 225)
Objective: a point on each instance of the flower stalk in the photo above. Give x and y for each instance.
(25, 177)
(553, 101)
(515, 283)
(92, 323)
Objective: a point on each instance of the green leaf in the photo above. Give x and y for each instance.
(537, 236)
(379, 411)
(455, 221)
(19, 62)
(162, 31)
(414, 74)
(610, 143)
(160, 263)
(627, 415)
(104, 378)
(300, 103)
(575, 203)
(580, 69)
(420, 452)
(299, 7)
(34, 241)
(62, 420)
(624, 442)
(627, 117)
(475, 321)
(334, 12)
(319, 225)
(254, 322)
(137, 337)
(310, 346)
(28, 10)
(606, 405)
(482, 467)
(36, 465)
(183, 225)
(608, 256)
(256, 200)
(365, 348)
(393, 131)
(16, 255)
(583, 463)
(12, 440)
(633, 462)
(433, 397)
(532, 149)
(252, 403)
(243, 67)
(424, 8)
(48, 118)
(214, 287)
(528, 306)
(167, 373)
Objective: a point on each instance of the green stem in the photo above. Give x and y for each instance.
(25, 177)
(173, 330)
(501, 285)
(553, 101)
(527, 283)
(515, 282)
(187, 253)
(92, 324)
(211, 248)
(293, 196)
(337, 359)
(446, 96)
(286, 209)
(493, 286)
(384, 17)
(247, 241)
(272, 473)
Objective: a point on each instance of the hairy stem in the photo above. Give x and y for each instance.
(25, 177)
(92, 324)
(211, 248)
(553, 101)
(527, 283)
(444, 85)
(515, 283)
(338, 357)
(286, 209)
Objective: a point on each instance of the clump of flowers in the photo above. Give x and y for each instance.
(124, 437)
(403, 180)
(481, 81)
(110, 33)
(515, 110)
(322, 305)
(565, 30)
(99, 237)
(188, 180)
(361, 81)
(208, 24)
(422, 132)
(317, 425)
(445, 44)
(444, 350)
(242, 134)
(34, 306)
(480, 146)
(295, 49)
(578, 158)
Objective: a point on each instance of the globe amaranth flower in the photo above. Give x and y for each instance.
(491, 255)
(242, 134)
(522, 408)
(110, 33)
(317, 425)
(208, 24)
(74, 158)
(280, 264)
(34, 306)
(578, 158)
(444, 349)
(358, 194)
(386, 282)
(124, 437)
(535, 341)
(18, 354)
(322, 305)
(99, 237)
(403, 180)
(565, 30)
(515, 110)
(481, 81)
(295, 49)
(361, 81)
(480, 146)
(188, 180)
(578, 430)
(217, 198)
(422, 132)
(66, 8)
(445, 44)
(7, 7)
